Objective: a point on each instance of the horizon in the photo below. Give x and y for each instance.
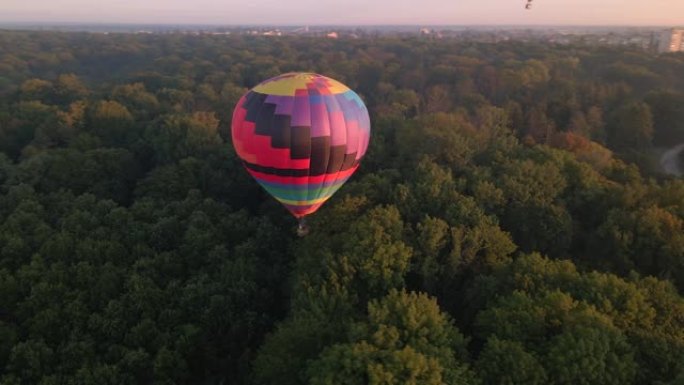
(49, 24)
(352, 13)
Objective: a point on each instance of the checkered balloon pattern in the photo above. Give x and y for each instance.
(301, 136)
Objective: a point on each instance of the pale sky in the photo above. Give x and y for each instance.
(347, 12)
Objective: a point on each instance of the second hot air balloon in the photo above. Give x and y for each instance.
(301, 136)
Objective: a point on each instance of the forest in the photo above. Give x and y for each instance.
(509, 224)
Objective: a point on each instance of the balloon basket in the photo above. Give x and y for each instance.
(302, 227)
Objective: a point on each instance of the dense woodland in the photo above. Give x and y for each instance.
(509, 224)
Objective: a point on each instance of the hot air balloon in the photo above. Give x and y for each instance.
(301, 136)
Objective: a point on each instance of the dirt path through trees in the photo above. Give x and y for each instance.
(670, 160)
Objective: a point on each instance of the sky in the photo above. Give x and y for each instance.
(347, 12)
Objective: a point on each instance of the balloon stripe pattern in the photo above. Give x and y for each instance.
(301, 136)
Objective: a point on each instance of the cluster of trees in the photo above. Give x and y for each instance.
(506, 227)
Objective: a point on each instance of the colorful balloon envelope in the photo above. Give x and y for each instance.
(301, 136)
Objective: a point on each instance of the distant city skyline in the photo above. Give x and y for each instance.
(348, 12)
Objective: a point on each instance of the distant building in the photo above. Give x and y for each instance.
(332, 35)
(672, 41)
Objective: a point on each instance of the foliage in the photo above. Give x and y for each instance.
(506, 227)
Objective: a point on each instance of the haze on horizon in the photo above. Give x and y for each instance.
(348, 12)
